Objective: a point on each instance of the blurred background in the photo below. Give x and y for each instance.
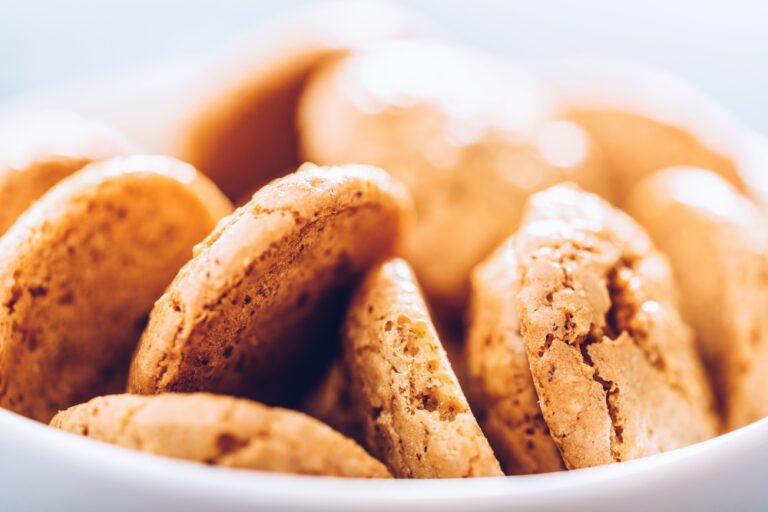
(722, 46)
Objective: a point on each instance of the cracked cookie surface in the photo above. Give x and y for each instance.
(717, 243)
(613, 363)
(414, 414)
(501, 387)
(222, 431)
(80, 270)
(256, 312)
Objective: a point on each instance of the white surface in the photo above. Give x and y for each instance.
(44, 469)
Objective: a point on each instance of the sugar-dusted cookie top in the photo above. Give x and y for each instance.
(615, 367)
(256, 311)
(222, 431)
(80, 270)
(414, 413)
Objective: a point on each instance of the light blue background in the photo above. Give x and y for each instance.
(720, 45)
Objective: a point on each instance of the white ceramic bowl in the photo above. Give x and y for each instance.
(45, 469)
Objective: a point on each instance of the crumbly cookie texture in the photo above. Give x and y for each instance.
(38, 151)
(717, 242)
(614, 365)
(415, 416)
(256, 311)
(222, 431)
(80, 270)
(500, 385)
(469, 138)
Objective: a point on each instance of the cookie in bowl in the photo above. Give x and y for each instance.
(414, 414)
(500, 386)
(256, 312)
(80, 270)
(220, 431)
(469, 136)
(238, 122)
(331, 402)
(717, 243)
(614, 365)
(645, 120)
(39, 150)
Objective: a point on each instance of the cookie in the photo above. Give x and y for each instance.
(613, 363)
(717, 243)
(37, 151)
(414, 413)
(500, 385)
(644, 120)
(241, 130)
(469, 137)
(256, 311)
(221, 431)
(331, 402)
(80, 270)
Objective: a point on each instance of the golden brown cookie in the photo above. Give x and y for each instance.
(644, 121)
(717, 242)
(469, 137)
(242, 130)
(80, 270)
(256, 311)
(331, 402)
(414, 413)
(221, 431)
(501, 388)
(37, 151)
(613, 363)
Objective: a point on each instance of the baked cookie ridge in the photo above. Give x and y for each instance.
(261, 301)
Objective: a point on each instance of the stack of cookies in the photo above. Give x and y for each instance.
(482, 273)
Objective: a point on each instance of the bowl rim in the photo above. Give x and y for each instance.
(250, 486)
